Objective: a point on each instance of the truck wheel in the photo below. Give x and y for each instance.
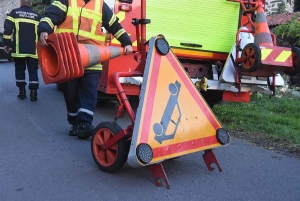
(112, 159)
(296, 63)
(253, 54)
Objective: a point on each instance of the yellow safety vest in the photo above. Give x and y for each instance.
(85, 22)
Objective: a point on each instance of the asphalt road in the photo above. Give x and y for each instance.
(39, 161)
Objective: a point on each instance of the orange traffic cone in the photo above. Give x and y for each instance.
(94, 54)
(262, 35)
(64, 59)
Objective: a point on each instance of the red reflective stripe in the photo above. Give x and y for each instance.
(184, 146)
(151, 96)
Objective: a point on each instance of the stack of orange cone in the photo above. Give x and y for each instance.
(64, 59)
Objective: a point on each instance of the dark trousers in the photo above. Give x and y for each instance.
(32, 67)
(81, 97)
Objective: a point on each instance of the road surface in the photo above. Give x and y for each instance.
(39, 161)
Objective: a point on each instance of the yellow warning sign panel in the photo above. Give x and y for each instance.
(172, 118)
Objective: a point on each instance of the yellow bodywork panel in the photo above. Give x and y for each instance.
(212, 24)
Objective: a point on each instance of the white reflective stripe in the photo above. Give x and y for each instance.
(72, 114)
(34, 82)
(20, 80)
(86, 111)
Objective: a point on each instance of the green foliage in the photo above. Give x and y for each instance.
(289, 33)
(39, 7)
(275, 118)
(281, 7)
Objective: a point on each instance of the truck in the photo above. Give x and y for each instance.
(208, 38)
(204, 35)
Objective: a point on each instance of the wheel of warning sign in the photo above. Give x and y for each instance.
(113, 158)
(296, 62)
(252, 54)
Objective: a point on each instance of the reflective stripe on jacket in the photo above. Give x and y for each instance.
(20, 32)
(85, 21)
(87, 17)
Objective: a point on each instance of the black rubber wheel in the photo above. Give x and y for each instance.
(253, 54)
(296, 63)
(114, 158)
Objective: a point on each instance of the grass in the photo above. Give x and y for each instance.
(277, 118)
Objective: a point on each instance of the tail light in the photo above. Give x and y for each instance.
(125, 7)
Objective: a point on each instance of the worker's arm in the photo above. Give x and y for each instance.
(111, 24)
(54, 15)
(9, 27)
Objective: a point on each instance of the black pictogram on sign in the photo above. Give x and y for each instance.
(160, 129)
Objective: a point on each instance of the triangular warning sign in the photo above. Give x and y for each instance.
(172, 118)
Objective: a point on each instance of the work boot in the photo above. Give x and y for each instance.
(73, 130)
(22, 93)
(84, 130)
(33, 95)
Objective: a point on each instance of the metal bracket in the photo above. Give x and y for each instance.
(210, 158)
(136, 21)
(120, 108)
(215, 72)
(158, 173)
(261, 90)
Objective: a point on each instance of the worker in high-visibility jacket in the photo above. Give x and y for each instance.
(84, 18)
(20, 36)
